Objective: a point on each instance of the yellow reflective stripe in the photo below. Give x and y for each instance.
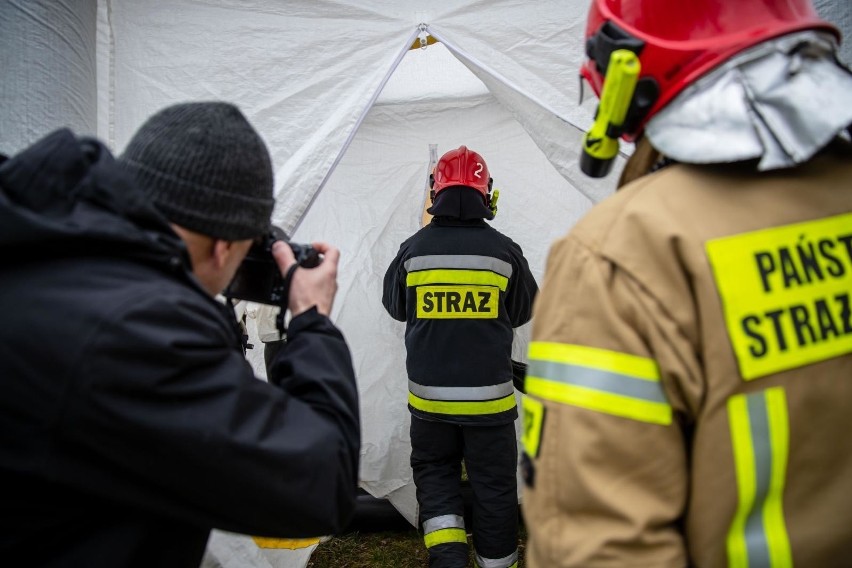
(598, 379)
(595, 358)
(759, 426)
(450, 276)
(743, 465)
(288, 543)
(443, 536)
(533, 422)
(615, 404)
(773, 510)
(465, 407)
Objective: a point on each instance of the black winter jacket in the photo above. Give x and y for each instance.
(445, 284)
(130, 422)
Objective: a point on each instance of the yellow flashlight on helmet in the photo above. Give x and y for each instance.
(600, 143)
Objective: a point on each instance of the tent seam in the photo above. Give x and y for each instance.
(357, 126)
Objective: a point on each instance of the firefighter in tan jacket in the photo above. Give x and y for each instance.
(690, 371)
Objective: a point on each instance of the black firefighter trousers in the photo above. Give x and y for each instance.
(490, 453)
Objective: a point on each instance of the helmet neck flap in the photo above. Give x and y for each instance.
(678, 41)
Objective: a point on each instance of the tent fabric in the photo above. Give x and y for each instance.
(306, 72)
(542, 97)
(839, 12)
(373, 201)
(383, 205)
(47, 64)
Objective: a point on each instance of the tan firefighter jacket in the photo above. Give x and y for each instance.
(690, 374)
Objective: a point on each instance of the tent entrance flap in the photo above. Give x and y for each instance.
(411, 40)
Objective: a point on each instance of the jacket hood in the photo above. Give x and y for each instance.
(66, 195)
(460, 202)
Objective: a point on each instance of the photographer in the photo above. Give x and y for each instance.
(130, 422)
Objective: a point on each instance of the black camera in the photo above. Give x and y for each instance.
(258, 278)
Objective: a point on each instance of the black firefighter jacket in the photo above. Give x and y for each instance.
(461, 286)
(130, 421)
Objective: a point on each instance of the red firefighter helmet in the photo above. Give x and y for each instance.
(461, 167)
(678, 41)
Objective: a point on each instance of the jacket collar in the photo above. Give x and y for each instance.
(460, 202)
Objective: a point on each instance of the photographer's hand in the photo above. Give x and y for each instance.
(310, 286)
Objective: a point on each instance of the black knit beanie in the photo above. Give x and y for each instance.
(205, 168)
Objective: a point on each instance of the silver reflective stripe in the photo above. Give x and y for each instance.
(459, 261)
(443, 522)
(597, 379)
(504, 562)
(755, 532)
(760, 437)
(461, 393)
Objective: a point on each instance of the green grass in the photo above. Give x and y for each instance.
(398, 549)
(403, 549)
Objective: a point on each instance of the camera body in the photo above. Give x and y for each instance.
(258, 278)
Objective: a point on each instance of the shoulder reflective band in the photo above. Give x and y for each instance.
(462, 400)
(469, 269)
(758, 537)
(281, 543)
(786, 293)
(444, 276)
(598, 379)
(533, 423)
(459, 262)
(462, 393)
(444, 529)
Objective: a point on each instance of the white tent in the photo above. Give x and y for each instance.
(349, 112)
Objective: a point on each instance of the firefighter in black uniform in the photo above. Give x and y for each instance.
(461, 286)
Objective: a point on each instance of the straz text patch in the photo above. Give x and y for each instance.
(786, 293)
(456, 302)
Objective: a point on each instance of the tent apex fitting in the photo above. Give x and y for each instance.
(423, 38)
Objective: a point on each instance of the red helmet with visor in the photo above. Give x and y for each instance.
(678, 41)
(461, 167)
